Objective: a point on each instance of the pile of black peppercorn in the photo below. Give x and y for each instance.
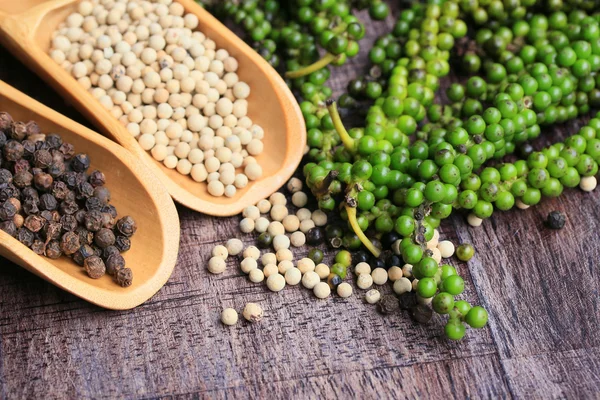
(51, 204)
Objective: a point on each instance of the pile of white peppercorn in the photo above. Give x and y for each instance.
(279, 268)
(169, 85)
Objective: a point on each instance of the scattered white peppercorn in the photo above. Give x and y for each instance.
(402, 285)
(372, 296)
(268, 258)
(284, 265)
(364, 281)
(298, 239)
(362, 268)
(407, 270)
(284, 255)
(303, 214)
(220, 251)
(322, 270)
(588, 183)
(216, 265)
(436, 255)
(281, 242)
(319, 218)
(261, 225)
(247, 225)
(310, 279)
(229, 316)
(299, 199)
(251, 212)
(322, 290)
(264, 206)
(251, 252)
(276, 282)
(520, 205)
(446, 248)
(395, 273)
(291, 223)
(278, 212)
(294, 185)
(234, 246)
(248, 264)
(293, 276)
(256, 275)
(253, 312)
(306, 264)
(276, 228)
(380, 276)
(474, 220)
(278, 198)
(270, 269)
(344, 290)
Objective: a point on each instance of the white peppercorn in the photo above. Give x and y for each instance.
(253, 312)
(216, 265)
(276, 282)
(402, 285)
(270, 269)
(284, 265)
(251, 252)
(380, 276)
(446, 248)
(229, 316)
(322, 270)
(299, 199)
(234, 246)
(248, 264)
(246, 224)
(293, 276)
(298, 239)
(364, 281)
(284, 255)
(220, 251)
(322, 290)
(261, 225)
(372, 296)
(344, 290)
(395, 273)
(276, 228)
(306, 264)
(362, 268)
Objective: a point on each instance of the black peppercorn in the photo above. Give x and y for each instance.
(18, 130)
(107, 221)
(102, 193)
(7, 211)
(85, 236)
(32, 128)
(43, 181)
(6, 122)
(104, 238)
(29, 193)
(30, 206)
(82, 253)
(54, 141)
(114, 263)
(97, 178)
(67, 149)
(69, 243)
(25, 236)
(334, 280)
(68, 222)
(59, 190)
(80, 163)
(5, 176)
(21, 165)
(42, 159)
(376, 263)
(94, 203)
(34, 223)
(388, 239)
(70, 179)
(9, 227)
(315, 236)
(388, 304)
(52, 231)
(407, 300)
(333, 231)
(126, 226)
(93, 221)
(56, 169)
(84, 190)
(555, 220)
(68, 207)
(13, 150)
(122, 243)
(421, 314)
(110, 209)
(124, 277)
(359, 256)
(94, 266)
(38, 247)
(109, 251)
(48, 202)
(53, 249)
(392, 260)
(22, 179)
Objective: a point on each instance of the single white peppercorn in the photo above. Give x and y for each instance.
(446, 248)
(310, 279)
(298, 239)
(234, 246)
(402, 285)
(407, 270)
(364, 281)
(319, 218)
(251, 252)
(306, 225)
(414, 284)
(270, 269)
(395, 273)
(246, 224)
(380, 276)
(284, 255)
(284, 265)
(474, 220)
(268, 258)
(253, 312)
(291, 223)
(294, 185)
(281, 242)
(306, 264)
(277, 198)
(256, 276)
(276, 282)
(322, 290)
(248, 264)
(278, 212)
(261, 225)
(251, 212)
(216, 265)
(372, 296)
(303, 214)
(229, 316)
(362, 268)
(220, 251)
(264, 206)
(276, 228)
(588, 183)
(299, 199)
(322, 270)
(520, 205)
(293, 276)
(436, 255)
(344, 290)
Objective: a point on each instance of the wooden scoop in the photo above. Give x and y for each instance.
(26, 27)
(135, 191)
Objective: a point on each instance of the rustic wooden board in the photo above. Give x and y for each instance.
(541, 288)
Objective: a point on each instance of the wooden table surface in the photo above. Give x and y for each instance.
(541, 288)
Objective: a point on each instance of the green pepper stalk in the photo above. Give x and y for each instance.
(348, 141)
(309, 69)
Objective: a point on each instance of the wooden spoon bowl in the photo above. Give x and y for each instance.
(135, 191)
(26, 27)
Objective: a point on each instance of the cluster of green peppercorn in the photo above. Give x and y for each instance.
(527, 64)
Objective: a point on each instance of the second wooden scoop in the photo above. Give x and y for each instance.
(135, 191)
(26, 27)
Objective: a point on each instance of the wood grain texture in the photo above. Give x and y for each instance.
(541, 287)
